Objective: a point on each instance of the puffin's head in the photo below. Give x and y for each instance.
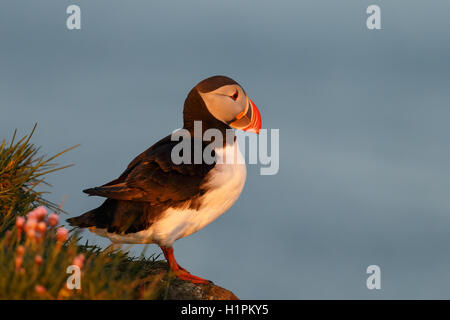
(224, 100)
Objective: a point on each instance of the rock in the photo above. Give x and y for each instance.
(175, 289)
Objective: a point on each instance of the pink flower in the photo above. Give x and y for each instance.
(40, 212)
(32, 215)
(31, 224)
(20, 250)
(31, 233)
(38, 260)
(40, 289)
(53, 220)
(41, 227)
(79, 260)
(20, 222)
(18, 261)
(61, 234)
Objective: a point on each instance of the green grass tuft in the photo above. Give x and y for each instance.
(21, 171)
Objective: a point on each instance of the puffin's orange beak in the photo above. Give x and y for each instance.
(249, 120)
(255, 123)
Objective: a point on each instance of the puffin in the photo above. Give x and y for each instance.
(158, 200)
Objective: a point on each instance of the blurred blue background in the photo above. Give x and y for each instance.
(363, 116)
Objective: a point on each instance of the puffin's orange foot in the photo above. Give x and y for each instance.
(180, 272)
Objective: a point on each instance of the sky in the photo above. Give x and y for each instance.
(362, 115)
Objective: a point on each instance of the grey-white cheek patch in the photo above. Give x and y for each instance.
(221, 106)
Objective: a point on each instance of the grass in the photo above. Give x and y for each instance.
(35, 251)
(21, 171)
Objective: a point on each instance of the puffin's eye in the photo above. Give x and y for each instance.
(235, 96)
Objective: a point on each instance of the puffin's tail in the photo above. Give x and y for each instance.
(115, 216)
(84, 221)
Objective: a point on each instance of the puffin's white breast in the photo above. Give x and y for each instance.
(224, 184)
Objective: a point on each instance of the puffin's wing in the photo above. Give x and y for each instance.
(153, 177)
